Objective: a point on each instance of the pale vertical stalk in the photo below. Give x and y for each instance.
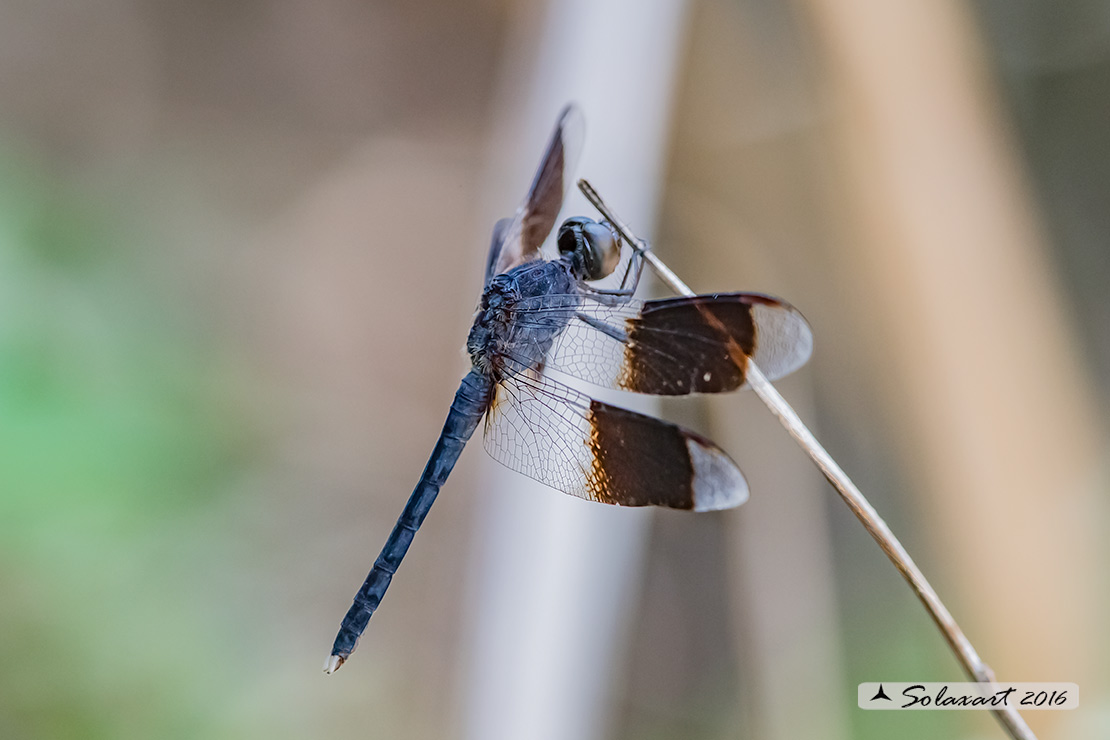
(554, 577)
(972, 664)
(944, 260)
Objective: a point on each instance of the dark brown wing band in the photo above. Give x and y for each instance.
(690, 345)
(546, 195)
(642, 461)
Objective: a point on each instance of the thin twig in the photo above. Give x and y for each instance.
(972, 664)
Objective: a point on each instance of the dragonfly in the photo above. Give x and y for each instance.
(537, 315)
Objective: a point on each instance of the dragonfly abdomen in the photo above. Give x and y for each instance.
(471, 401)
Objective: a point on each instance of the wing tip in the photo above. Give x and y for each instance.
(571, 111)
(717, 481)
(784, 339)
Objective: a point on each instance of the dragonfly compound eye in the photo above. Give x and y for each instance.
(596, 246)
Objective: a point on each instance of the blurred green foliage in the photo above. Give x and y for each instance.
(118, 422)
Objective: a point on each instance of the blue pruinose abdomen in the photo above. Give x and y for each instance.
(471, 401)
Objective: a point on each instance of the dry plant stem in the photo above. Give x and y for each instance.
(973, 665)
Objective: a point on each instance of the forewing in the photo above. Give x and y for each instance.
(603, 453)
(521, 238)
(677, 346)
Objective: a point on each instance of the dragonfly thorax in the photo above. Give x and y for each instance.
(521, 313)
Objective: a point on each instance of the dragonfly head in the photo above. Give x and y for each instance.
(594, 247)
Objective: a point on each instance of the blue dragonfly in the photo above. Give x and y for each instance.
(537, 314)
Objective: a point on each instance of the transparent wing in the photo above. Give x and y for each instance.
(604, 453)
(675, 346)
(518, 240)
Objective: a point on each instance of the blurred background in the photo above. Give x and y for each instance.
(240, 247)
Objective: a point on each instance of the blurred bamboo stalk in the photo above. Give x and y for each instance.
(556, 580)
(1008, 717)
(978, 359)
